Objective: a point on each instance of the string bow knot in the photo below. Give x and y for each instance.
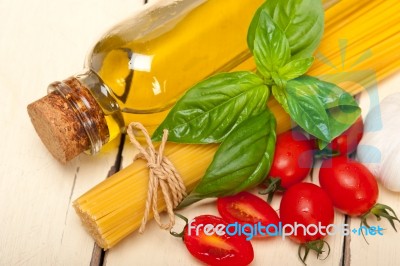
(162, 173)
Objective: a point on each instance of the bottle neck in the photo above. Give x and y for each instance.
(90, 100)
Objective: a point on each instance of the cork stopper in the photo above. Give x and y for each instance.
(69, 121)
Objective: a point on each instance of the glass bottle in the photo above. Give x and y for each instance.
(138, 70)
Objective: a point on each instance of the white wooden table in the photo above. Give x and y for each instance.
(42, 41)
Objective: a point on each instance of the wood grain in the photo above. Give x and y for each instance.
(42, 41)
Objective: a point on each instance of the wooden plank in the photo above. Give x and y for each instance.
(43, 41)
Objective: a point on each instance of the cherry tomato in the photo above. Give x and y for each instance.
(350, 185)
(306, 204)
(293, 158)
(215, 248)
(347, 142)
(246, 208)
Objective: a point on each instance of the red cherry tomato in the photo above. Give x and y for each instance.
(350, 185)
(347, 142)
(216, 249)
(293, 158)
(306, 204)
(246, 208)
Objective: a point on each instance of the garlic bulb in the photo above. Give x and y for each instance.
(379, 149)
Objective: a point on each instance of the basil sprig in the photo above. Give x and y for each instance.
(231, 107)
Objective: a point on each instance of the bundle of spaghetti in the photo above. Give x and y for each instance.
(361, 44)
(360, 47)
(114, 208)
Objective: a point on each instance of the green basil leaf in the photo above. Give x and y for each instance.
(280, 95)
(242, 160)
(341, 107)
(251, 32)
(321, 108)
(210, 110)
(295, 68)
(271, 48)
(306, 109)
(278, 80)
(302, 21)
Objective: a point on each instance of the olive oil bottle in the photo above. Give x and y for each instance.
(139, 69)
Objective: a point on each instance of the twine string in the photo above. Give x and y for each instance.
(162, 173)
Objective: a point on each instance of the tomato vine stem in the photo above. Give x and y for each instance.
(273, 185)
(317, 246)
(180, 235)
(379, 210)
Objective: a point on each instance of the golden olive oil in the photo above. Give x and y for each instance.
(150, 65)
